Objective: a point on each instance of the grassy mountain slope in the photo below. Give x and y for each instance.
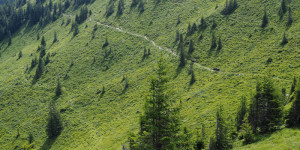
(95, 121)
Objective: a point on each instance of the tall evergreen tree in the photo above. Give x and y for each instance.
(241, 113)
(58, 91)
(191, 47)
(182, 56)
(121, 7)
(39, 70)
(290, 19)
(222, 141)
(54, 37)
(159, 124)
(293, 118)
(213, 42)
(265, 108)
(265, 20)
(54, 126)
(219, 44)
(284, 40)
(43, 42)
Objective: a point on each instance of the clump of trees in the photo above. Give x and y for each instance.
(54, 126)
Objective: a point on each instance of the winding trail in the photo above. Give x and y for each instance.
(119, 29)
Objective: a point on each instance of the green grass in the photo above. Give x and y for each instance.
(94, 122)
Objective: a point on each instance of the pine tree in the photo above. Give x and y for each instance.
(191, 47)
(105, 43)
(43, 42)
(214, 25)
(189, 30)
(177, 36)
(219, 44)
(265, 108)
(178, 20)
(47, 60)
(38, 36)
(213, 42)
(39, 70)
(247, 132)
(58, 91)
(202, 25)
(54, 126)
(55, 37)
(159, 125)
(20, 55)
(182, 56)
(121, 7)
(222, 141)
(284, 40)
(290, 19)
(141, 6)
(241, 113)
(193, 79)
(76, 30)
(293, 118)
(265, 20)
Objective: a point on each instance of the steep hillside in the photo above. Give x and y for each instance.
(93, 119)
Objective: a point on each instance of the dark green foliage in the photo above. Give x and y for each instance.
(230, 7)
(83, 14)
(42, 51)
(149, 51)
(159, 124)
(241, 113)
(188, 32)
(219, 44)
(110, 9)
(20, 55)
(33, 63)
(43, 42)
(193, 79)
(284, 40)
(39, 70)
(203, 24)
(105, 43)
(30, 138)
(191, 47)
(177, 36)
(38, 36)
(293, 118)
(246, 131)
(214, 25)
(293, 86)
(54, 126)
(212, 144)
(9, 38)
(141, 6)
(290, 19)
(199, 144)
(269, 60)
(221, 141)
(76, 30)
(265, 20)
(58, 91)
(182, 56)
(266, 108)
(134, 3)
(282, 9)
(213, 42)
(47, 60)
(55, 37)
(121, 8)
(178, 20)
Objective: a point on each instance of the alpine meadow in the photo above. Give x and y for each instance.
(149, 74)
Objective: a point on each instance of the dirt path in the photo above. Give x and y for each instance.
(119, 29)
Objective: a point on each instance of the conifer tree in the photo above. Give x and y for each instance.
(290, 19)
(38, 36)
(43, 42)
(54, 126)
(141, 6)
(222, 141)
(9, 38)
(193, 79)
(20, 55)
(241, 113)
(265, 20)
(189, 30)
(219, 44)
(202, 25)
(191, 47)
(39, 70)
(213, 42)
(293, 118)
(177, 36)
(247, 132)
(121, 7)
(76, 30)
(284, 40)
(55, 37)
(58, 91)
(159, 124)
(105, 43)
(265, 108)
(182, 56)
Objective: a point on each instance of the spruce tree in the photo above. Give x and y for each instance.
(58, 91)
(213, 42)
(222, 141)
(105, 43)
(159, 125)
(121, 7)
(284, 40)
(219, 44)
(141, 6)
(191, 47)
(246, 131)
(43, 42)
(202, 25)
(265, 20)
(293, 118)
(290, 19)
(20, 55)
(241, 113)
(193, 79)
(177, 36)
(54, 126)
(182, 56)
(55, 37)
(39, 70)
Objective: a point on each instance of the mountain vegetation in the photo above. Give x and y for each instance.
(155, 74)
